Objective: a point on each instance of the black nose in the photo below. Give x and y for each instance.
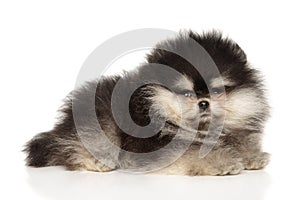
(203, 105)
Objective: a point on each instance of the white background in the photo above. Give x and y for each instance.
(43, 45)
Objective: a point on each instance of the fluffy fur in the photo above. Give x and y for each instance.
(238, 148)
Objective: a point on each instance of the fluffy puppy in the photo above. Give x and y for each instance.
(179, 103)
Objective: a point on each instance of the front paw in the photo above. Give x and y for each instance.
(257, 161)
(231, 167)
(219, 168)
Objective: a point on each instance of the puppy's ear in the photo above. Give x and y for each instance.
(238, 51)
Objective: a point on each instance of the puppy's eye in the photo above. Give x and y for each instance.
(188, 94)
(217, 90)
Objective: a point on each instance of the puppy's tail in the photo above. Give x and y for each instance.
(42, 150)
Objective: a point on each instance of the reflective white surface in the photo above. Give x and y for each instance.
(54, 183)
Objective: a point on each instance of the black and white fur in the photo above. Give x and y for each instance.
(238, 148)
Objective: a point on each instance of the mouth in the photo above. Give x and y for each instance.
(205, 115)
(202, 122)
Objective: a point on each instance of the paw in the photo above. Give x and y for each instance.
(232, 167)
(229, 167)
(257, 161)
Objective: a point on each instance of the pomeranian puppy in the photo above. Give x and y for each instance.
(157, 117)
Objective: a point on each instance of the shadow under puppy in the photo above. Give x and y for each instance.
(167, 117)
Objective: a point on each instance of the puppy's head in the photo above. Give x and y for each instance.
(236, 92)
